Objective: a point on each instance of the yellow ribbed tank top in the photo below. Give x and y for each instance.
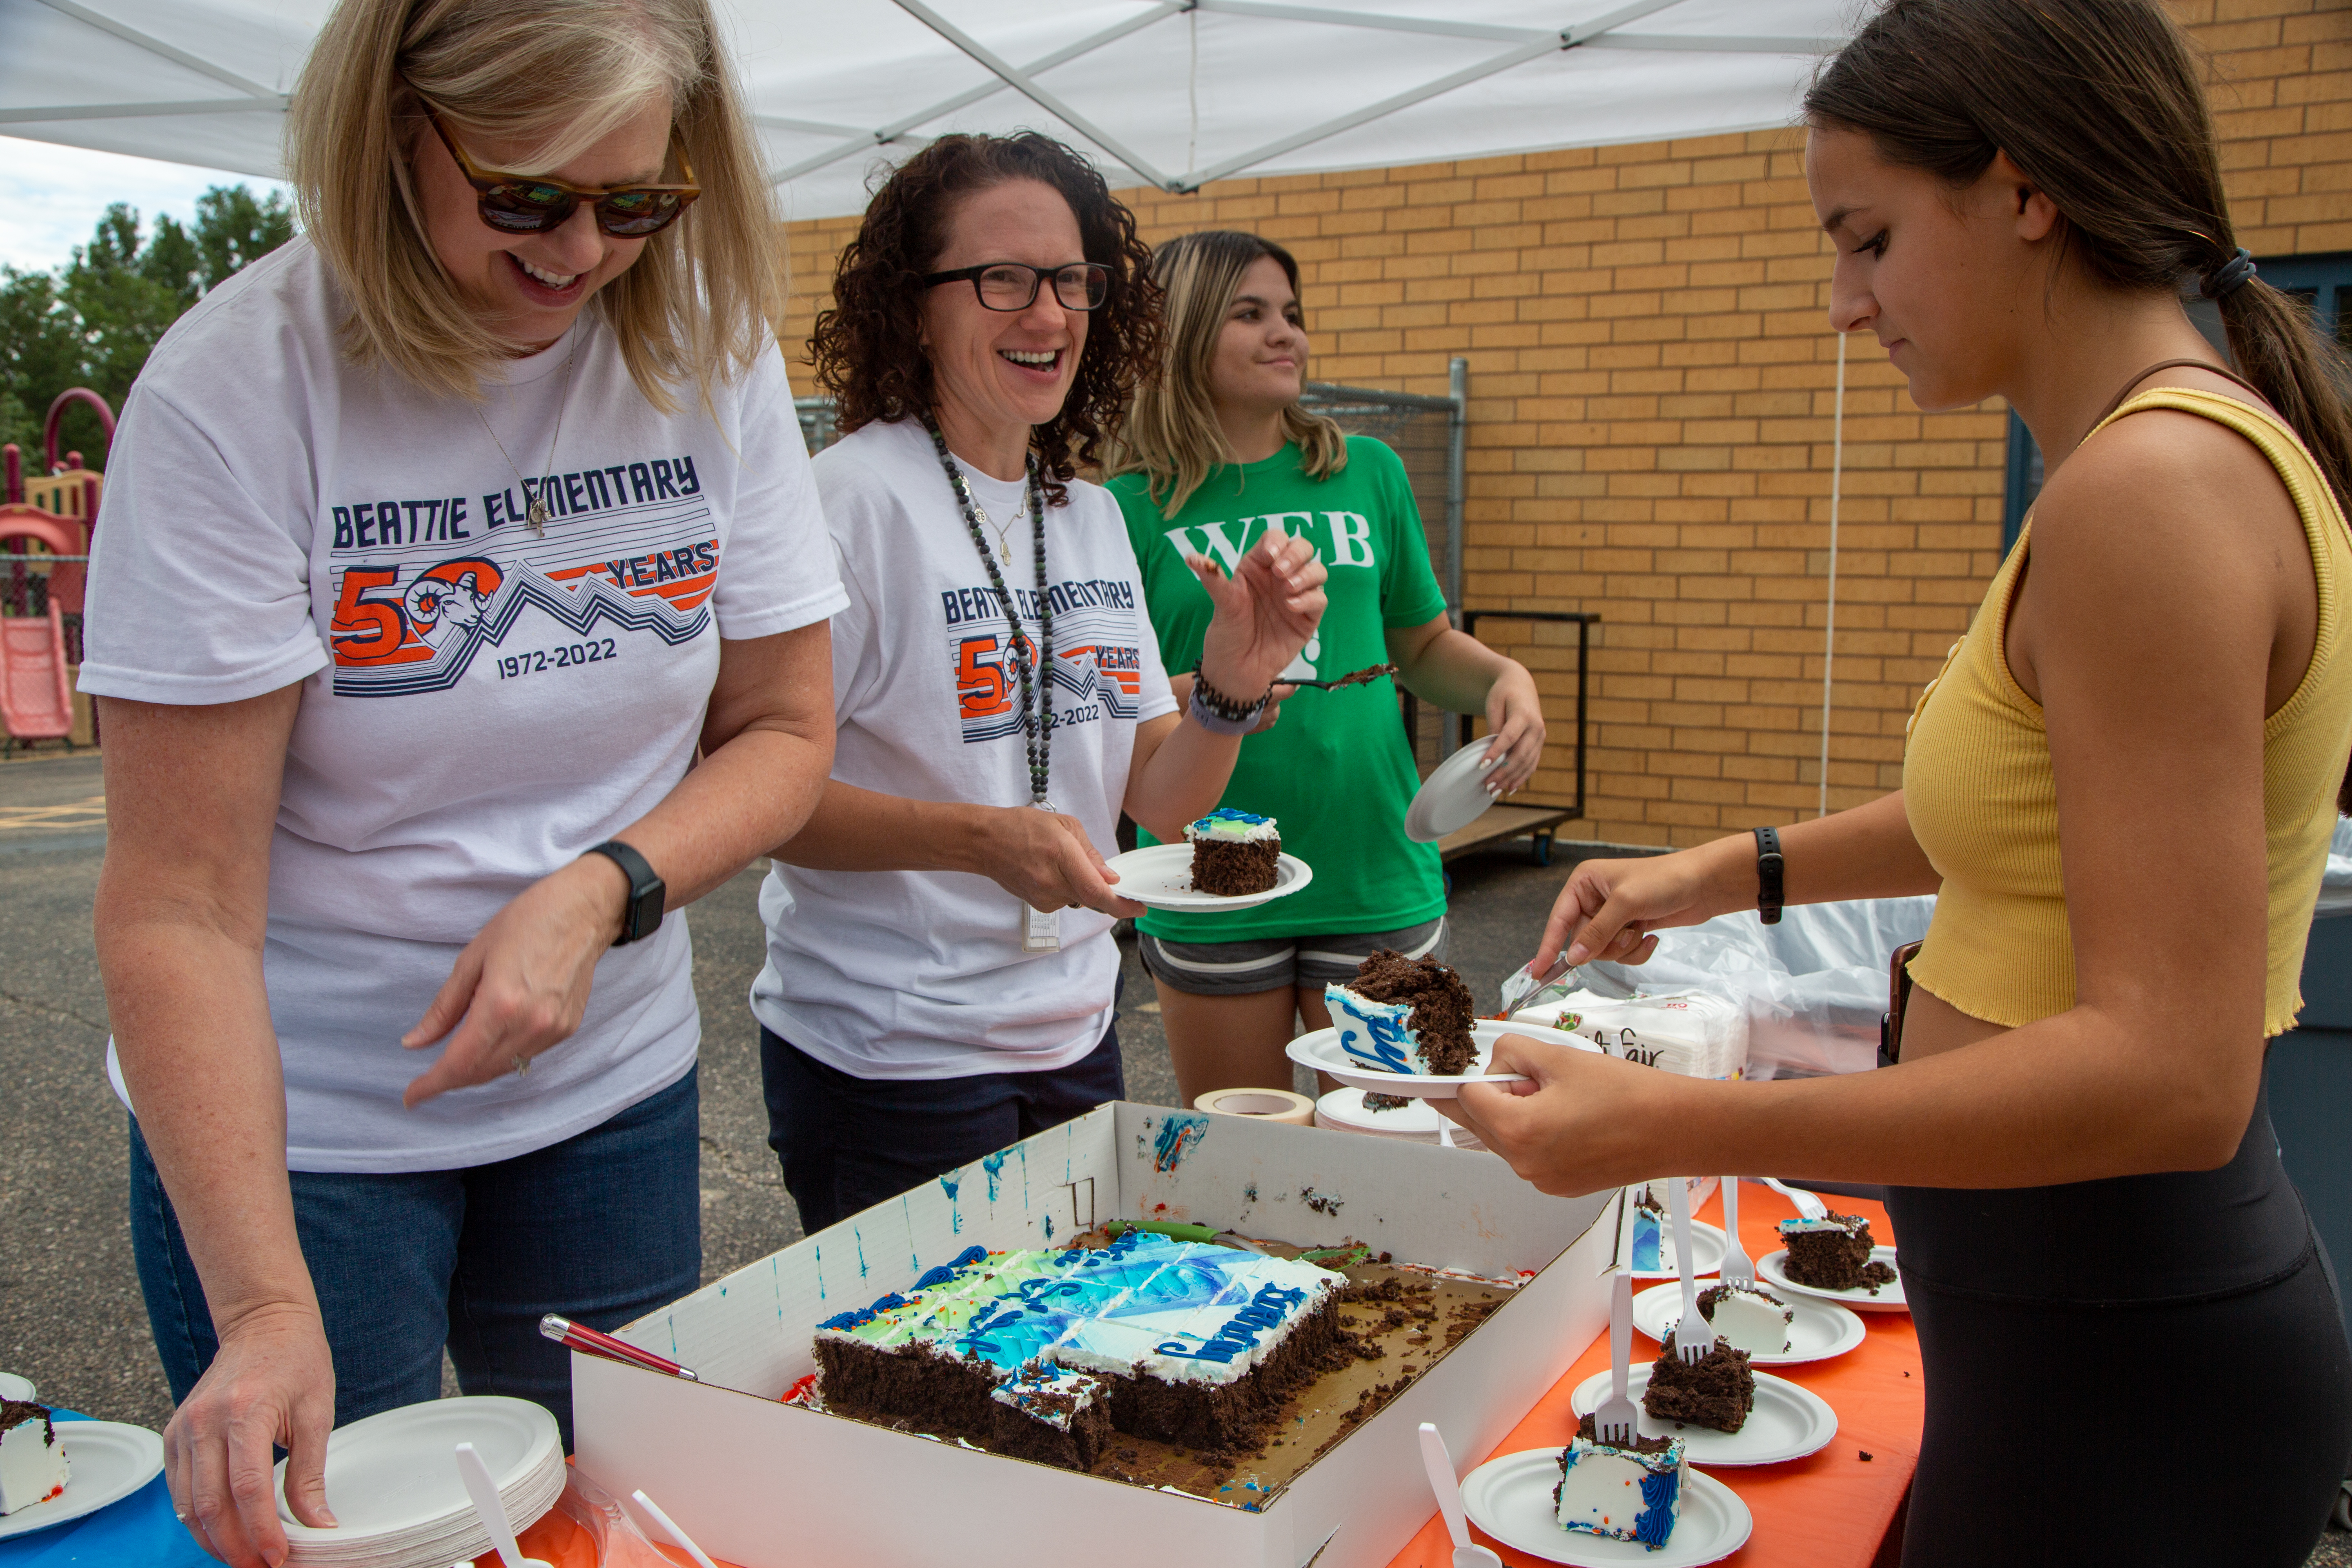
(1983, 802)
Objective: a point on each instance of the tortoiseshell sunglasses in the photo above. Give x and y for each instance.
(533, 203)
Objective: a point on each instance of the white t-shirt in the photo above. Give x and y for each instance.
(921, 974)
(479, 705)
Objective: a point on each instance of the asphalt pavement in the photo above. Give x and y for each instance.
(70, 1314)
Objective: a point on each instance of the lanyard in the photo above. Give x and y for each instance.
(1032, 664)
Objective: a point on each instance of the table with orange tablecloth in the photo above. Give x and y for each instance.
(1831, 1509)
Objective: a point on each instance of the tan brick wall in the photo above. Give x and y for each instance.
(1652, 380)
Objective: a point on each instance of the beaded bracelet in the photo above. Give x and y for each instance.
(1220, 714)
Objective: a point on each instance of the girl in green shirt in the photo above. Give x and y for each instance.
(1217, 450)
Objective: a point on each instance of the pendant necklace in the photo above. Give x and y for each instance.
(1041, 930)
(537, 514)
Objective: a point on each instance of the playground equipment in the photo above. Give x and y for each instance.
(46, 523)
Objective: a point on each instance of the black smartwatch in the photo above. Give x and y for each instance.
(1768, 869)
(643, 917)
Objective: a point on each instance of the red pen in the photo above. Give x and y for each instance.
(581, 1337)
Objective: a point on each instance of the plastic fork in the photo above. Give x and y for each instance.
(1808, 1203)
(1735, 1269)
(669, 1528)
(1614, 1420)
(1442, 1480)
(491, 1510)
(1692, 1350)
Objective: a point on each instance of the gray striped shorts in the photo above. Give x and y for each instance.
(1245, 968)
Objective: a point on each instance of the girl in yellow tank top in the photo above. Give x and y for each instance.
(2122, 784)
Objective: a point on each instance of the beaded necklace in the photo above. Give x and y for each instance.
(1031, 663)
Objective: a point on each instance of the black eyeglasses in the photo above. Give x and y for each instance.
(1012, 285)
(533, 203)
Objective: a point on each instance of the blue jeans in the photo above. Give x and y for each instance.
(847, 1143)
(602, 1228)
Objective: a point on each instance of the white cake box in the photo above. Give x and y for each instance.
(767, 1485)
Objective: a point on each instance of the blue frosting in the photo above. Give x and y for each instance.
(946, 1272)
(1232, 814)
(865, 1314)
(1656, 1519)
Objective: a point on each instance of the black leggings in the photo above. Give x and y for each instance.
(2148, 1370)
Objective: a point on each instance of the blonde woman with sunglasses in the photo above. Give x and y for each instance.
(437, 548)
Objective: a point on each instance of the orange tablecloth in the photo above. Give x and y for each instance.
(1830, 1511)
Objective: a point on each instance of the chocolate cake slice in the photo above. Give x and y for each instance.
(1406, 1015)
(1833, 1254)
(1619, 1491)
(32, 1468)
(1043, 1355)
(1751, 1318)
(1718, 1391)
(1233, 852)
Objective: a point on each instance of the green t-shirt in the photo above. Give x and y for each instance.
(1335, 771)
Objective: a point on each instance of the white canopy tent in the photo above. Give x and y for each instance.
(1172, 93)
(1169, 93)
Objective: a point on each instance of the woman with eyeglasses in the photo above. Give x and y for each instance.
(941, 974)
(439, 546)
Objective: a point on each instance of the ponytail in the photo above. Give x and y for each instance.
(2098, 102)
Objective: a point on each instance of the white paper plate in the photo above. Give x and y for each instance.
(1706, 1248)
(14, 1387)
(1453, 797)
(1415, 1121)
(110, 1461)
(1160, 875)
(1511, 1500)
(1788, 1422)
(1773, 1267)
(1819, 1330)
(1322, 1051)
(392, 1481)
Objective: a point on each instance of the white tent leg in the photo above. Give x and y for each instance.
(1829, 634)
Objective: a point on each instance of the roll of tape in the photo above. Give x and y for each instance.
(1264, 1104)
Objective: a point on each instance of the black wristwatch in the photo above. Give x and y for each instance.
(643, 915)
(1769, 868)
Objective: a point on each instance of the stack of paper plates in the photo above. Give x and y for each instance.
(1415, 1121)
(392, 1480)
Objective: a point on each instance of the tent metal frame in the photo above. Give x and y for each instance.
(1608, 31)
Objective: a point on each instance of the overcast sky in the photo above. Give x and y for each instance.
(51, 197)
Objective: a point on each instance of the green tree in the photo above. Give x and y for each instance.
(93, 321)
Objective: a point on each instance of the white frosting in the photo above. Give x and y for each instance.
(32, 1465)
(1850, 1225)
(1221, 829)
(1601, 1492)
(1752, 1321)
(1375, 1033)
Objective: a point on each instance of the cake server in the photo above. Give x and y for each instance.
(669, 1528)
(1736, 1268)
(1692, 1350)
(596, 1341)
(1614, 1421)
(491, 1510)
(1808, 1203)
(1440, 1466)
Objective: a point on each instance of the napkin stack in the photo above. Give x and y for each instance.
(1689, 1031)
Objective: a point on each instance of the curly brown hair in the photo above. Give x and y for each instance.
(868, 345)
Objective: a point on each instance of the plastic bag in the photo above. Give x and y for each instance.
(1812, 987)
(2335, 882)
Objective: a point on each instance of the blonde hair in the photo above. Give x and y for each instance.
(1172, 433)
(558, 75)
